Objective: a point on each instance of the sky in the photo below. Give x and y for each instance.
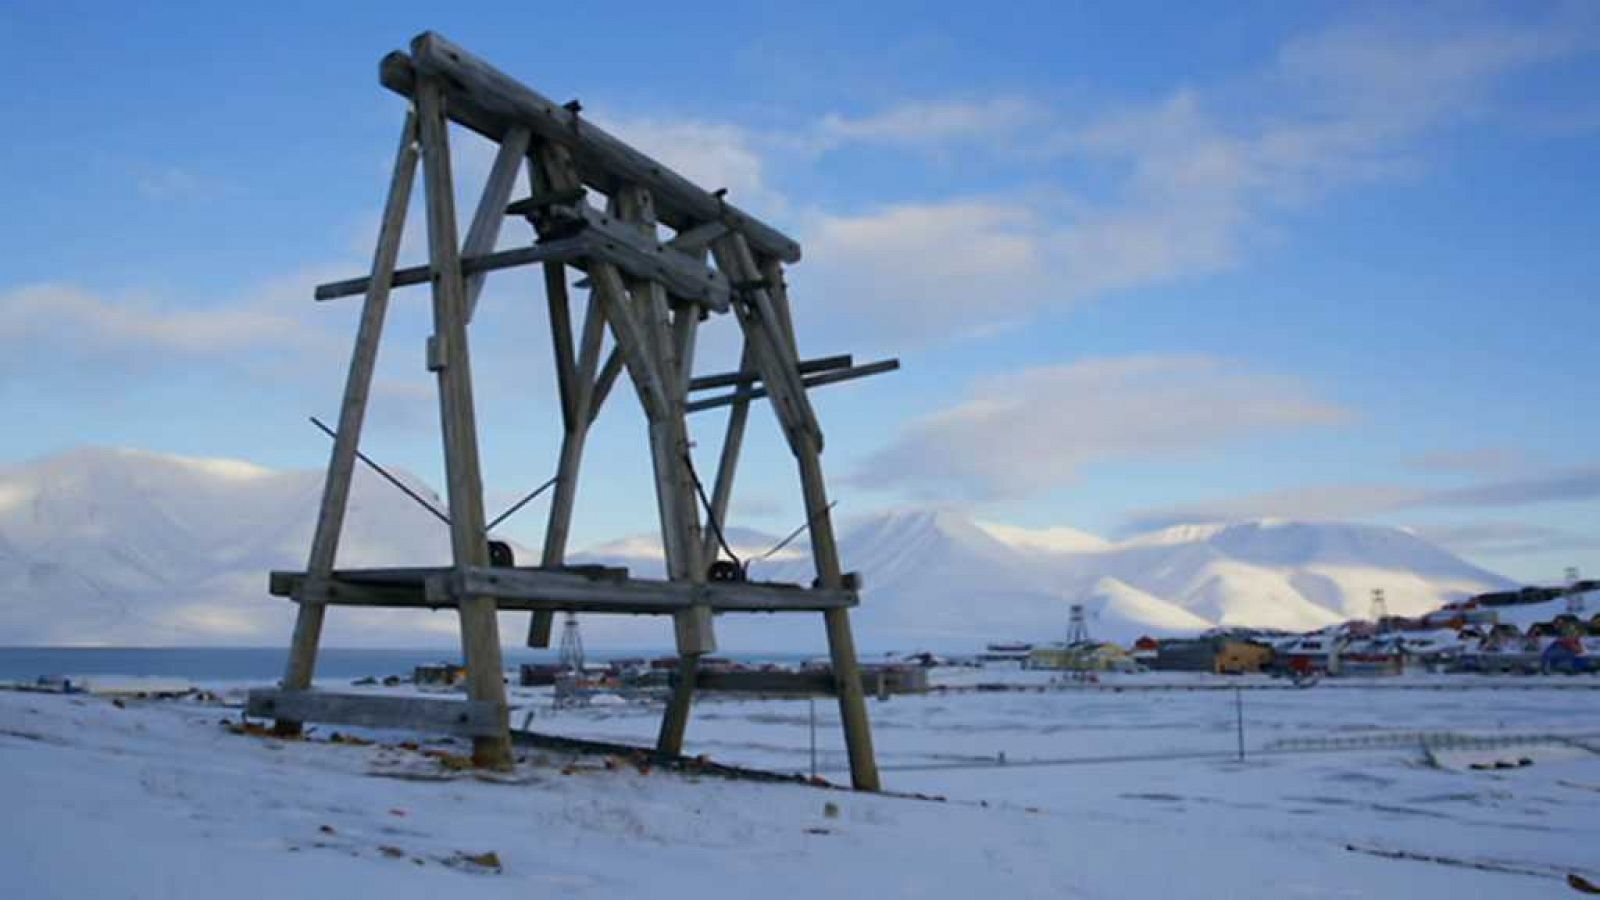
(1142, 263)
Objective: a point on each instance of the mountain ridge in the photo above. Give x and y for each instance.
(130, 546)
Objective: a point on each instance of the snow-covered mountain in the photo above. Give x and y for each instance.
(939, 578)
(131, 547)
(1294, 575)
(103, 546)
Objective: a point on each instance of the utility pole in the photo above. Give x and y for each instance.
(1574, 596)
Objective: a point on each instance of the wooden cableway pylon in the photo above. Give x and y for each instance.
(651, 296)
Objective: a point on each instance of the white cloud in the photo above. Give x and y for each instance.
(65, 317)
(1343, 501)
(177, 183)
(932, 124)
(1034, 430)
(1481, 460)
(1186, 185)
(922, 269)
(711, 154)
(1507, 538)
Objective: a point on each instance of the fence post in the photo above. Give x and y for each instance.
(813, 702)
(1238, 710)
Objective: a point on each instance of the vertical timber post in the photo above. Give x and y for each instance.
(352, 412)
(448, 357)
(669, 334)
(551, 170)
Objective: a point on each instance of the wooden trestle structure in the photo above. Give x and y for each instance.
(651, 296)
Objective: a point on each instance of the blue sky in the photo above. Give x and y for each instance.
(1142, 264)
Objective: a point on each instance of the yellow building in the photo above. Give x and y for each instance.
(1085, 657)
(1237, 657)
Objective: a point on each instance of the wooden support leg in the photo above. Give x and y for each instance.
(841, 642)
(352, 411)
(675, 721)
(763, 313)
(728, 463)
(449, 358)
(578, 390)
(656, 344)
(825, 550)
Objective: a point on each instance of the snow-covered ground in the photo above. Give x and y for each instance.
(158, 799)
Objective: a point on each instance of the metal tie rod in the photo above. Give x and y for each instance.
(386, 476)
(421, 501)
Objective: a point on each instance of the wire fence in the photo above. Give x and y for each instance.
(1425, 741)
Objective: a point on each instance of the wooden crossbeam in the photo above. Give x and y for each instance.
(634, 250)
(699, 238)
(523, 589)
(491, 103)
(745, 376)
(550, 251)
(680, 274)
(468, 718)
(812, 381)
(641, 256)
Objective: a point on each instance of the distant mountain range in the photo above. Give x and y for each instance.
(103, 546)
(939, 578)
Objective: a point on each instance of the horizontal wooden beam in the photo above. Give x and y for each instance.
(551, 251)
(468, 718)
(822, 380)
(555, 590)
(751, 376)
(604, 239)
(490, 102)
(642, 256)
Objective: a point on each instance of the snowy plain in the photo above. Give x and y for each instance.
(158, 799)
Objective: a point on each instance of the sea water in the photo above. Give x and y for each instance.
(265, 664)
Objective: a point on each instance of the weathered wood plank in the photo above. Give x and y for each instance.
(814, 381)
(490, 102)
(728, 459)
(485, 228)
(605, 381)
(468, 718)
(751, 376)
(550, 169)
(563, 250)
(698, 238)
(635, 251)
(301, 665)
(560, 309)
(669, 448)
(765, 338)
(563, 591)
(830, 574)
(480, 632)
